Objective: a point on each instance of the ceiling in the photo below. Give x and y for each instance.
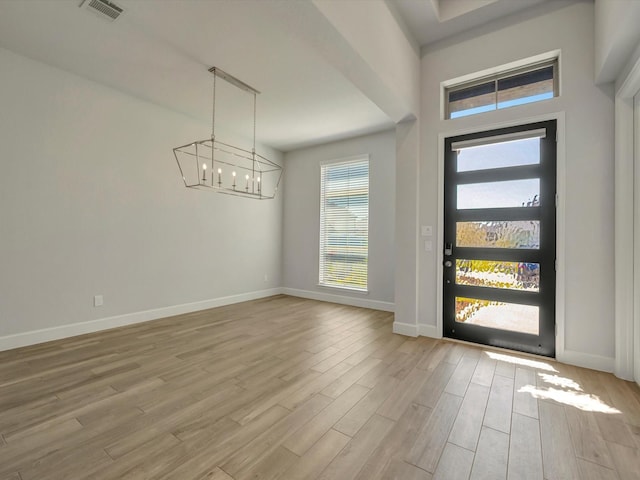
(432, 20)
(160, 51)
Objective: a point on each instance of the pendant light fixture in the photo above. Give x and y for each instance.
(225, 168)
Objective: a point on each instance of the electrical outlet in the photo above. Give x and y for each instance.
(98, 301)
(428, 245)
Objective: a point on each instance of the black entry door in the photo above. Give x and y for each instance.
(499, 238)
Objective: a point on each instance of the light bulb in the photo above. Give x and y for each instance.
(258, 179)
(219, 171)
(246, 177)
(233, 173)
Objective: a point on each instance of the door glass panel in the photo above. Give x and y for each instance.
(488, 273)
(504, 316)
(499, 155)
(513, 193)
(507, 234)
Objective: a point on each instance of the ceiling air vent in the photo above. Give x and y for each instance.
(103, 8)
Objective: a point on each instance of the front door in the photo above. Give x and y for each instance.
(500, 238)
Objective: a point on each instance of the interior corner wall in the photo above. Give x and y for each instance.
(588, 184)
(301, 229)
(92, 203)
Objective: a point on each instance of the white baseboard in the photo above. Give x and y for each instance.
(64, 331)
(586, 360)
(341, 299)
(408, 329)
(412, 330)
(429, 331)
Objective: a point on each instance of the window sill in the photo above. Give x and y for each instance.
(344, 289)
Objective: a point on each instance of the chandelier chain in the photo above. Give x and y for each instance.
(213, 114)
(254, 123)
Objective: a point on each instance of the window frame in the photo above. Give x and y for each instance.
(335, 163)
(503, 75)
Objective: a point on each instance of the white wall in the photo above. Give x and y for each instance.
(588, 138)
(91, 202)
(302, 226)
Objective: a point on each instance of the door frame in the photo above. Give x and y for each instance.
(627, 227)
(560, 217)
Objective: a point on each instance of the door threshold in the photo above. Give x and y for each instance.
(501, 349)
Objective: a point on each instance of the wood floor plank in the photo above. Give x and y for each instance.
(625, 397)
(302, 394)
(308, 434)
(490, 461)
(455, 462)
(11, 476)
(215, 474)
(141, 462)
(586, 439)
(525, 452)
(432, 438)
(353, 421)
(437, 380)
(316, 459)
(209, 450)
(505, 369)
(399, 470)
(341, 384)
(500, 404)
(292, 388)
(626, 461)
(593, 471)
(243, 461)
(301, 367)
(466, 429)
(454, 353)
(558, 457)
(398, 441)
(271, 467)
(523, 402)
(461, 376)
(614, 430)
(483, 374)
(272, 396)
(432, 358)
(354, 455)
(403, 396)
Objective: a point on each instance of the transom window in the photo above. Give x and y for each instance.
(344, 223)
(508, 89)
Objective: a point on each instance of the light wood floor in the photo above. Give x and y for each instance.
(296, 389)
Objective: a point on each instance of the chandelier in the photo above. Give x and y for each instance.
(224, 168)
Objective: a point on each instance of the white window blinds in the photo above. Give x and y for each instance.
(344, 223)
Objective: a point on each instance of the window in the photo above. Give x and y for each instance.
(508, 89)
(344, 223)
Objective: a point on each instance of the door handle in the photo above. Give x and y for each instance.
(448, 249)
(448, 263)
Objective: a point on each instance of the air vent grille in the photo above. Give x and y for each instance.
(103, 8)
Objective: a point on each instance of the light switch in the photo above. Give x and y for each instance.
(428, 245)
(427, 230)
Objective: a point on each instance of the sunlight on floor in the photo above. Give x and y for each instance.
(582, 401)
(569, 391)
(560, 381)
(520, 361)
